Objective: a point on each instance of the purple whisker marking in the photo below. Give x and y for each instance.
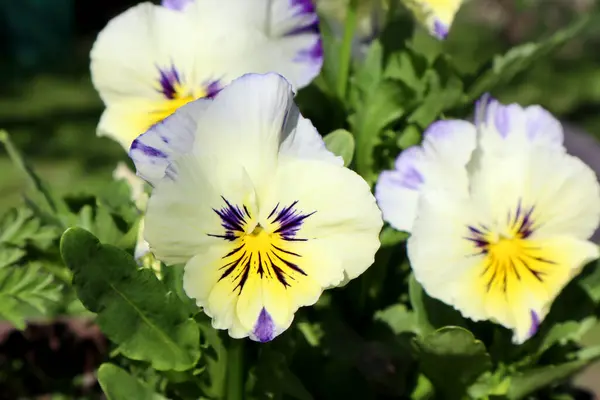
(290, 221)
(264, 329)
(169, 78)
(233, 220)
(313, 54)
(213, 88)
(290, 265)
(535, 323)
(273, 211)
(147, 150)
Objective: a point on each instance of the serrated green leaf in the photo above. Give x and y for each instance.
(341, 143)
(213, 381)
(505, 67)
(430, 313)
(26, 291)
(19, 226)
(117, 384)
(452, 359)
(10, 254)
(133, 306)
(50, 201)
(562, 332)
(410, 136)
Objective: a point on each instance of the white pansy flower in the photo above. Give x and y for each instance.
(499, 214)
(264, 216)
(152, 59)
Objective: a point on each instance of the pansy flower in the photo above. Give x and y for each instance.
(499, 214)
(152, 59)
(436, 15)
(246, 194)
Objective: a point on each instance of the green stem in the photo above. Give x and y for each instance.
(346, 49)
(235, 370)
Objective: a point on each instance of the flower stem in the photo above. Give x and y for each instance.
(235, 370)
(346, 49)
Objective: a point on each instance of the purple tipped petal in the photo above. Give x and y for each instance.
(440, 30)
(535, 323)
(264, 330)
(176, 4)
(407, 165)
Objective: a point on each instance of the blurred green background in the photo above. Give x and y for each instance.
(48, 104)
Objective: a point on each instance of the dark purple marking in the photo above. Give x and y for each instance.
(313, 54)
(289, 219)
(213, 88)
(440, 30)
(264, 330)
(147, 150)
(303, 6)
(169, 78)
(535, 324)
(175, 4)
(233, 220)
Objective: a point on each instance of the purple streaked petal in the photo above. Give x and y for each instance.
(213, 88)
(264, 329)
(535, 324)
(169, 79)
(440, 30)
(313, 54)
(153, 151)
(178, 5)
(407, 165)
(303, 6)
(502, 120)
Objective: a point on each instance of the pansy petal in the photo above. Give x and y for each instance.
(271, 35)
(516, 126)
(153, 151)
(128, 52)
(437, 16)
(185, 207)
(301, 139)
(344, 220)
(439, 161)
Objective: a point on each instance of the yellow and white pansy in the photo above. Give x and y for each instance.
(436, 15)
(152, 59)
(246, 194)
(499, 214)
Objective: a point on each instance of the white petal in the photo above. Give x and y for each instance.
(260, 36)
(301, 139)
(181, 212)
(346, 221)
(438, 162)
(153, 151)
(563, 191)
(128, 52)
(514, 127)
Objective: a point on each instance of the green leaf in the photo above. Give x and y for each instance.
(341, 143)
(398, 318)
(410, 136)
(214, 356)
(590, 281)
(452, 359)
(563, 332)
(26, 291)
(117, 384)
(133, 306)
(19, 226)
(10, 254)
(518, 59)
(430, 313)
(42, 191)
(390, 237)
